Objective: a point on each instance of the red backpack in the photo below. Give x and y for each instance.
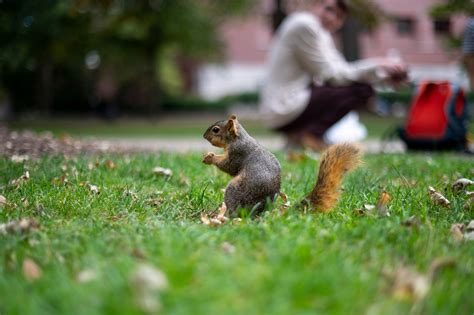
(438, 118)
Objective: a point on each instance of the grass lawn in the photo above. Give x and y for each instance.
(281, 263)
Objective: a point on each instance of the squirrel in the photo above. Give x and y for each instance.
(256, 171)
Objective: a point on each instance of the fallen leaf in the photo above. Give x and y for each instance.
(228, 248)
(25, 202)
(286, 202)
(470, 201)
(470, 226)
(382, 204)
(162, 171)
(183, 180)
(86, 275)
(461, 184)
(138, 253)
(31, 271)
(147, 281)
(130, 193)
(19, 181)
(110, 165)
(462, 232)
(155, 202)
(3, 201)
(412, 221)
(23, 226)
(369, 208)
(408, 284)
(147, 277)
(438, 198)
(19, 158)
(457, 231)
(360, 212)
(469, 235)
(93, 188)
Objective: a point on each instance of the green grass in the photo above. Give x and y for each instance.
(291, 263)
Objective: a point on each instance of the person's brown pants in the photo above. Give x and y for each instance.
(327, 105)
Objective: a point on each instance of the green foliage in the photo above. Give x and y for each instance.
(290, 263)
(367, 13)
(43, 39)
(451, 7)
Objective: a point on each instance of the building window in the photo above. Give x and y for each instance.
(442, 26)
(405, 26)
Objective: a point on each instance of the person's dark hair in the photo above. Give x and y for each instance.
(343, 6)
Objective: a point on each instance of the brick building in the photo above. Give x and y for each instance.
(411, 33)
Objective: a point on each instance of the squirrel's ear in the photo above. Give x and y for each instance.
(232, 125)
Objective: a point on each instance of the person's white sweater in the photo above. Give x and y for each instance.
(303, 52)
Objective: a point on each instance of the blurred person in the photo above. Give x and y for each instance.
(309, 86)
(468, 51)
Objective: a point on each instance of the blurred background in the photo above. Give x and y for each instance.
(169, 67)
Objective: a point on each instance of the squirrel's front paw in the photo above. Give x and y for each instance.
(208, 158)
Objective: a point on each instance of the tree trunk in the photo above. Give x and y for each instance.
(350, 39)
(44, 87)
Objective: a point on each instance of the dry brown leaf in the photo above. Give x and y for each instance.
(438, 198)
(412, 221)
(162, 171)
(25, 202)
(20, 180)
(147, 281)
(155, 202)
(286, 201)
(461, 184)
(369, 208)
(31, 271)
(469, 235)
(408, 284)
(86, 275)
(462, 232)
(3, 201)
(228, 248)
(469, 204)
(19, 158)
(110, 165)
(130, 193)
(147, 277)
(93, 188)
(457, 231)
(61, 180)
(360, 212)
(382, 204)
(23, 226)
(183, 180)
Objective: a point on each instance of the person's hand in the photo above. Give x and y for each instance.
(395, 72)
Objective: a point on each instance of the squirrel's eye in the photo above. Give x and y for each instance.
(215, 129)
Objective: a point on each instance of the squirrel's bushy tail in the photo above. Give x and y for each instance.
(335, 163)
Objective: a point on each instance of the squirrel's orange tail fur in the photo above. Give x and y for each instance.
(335, 163)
